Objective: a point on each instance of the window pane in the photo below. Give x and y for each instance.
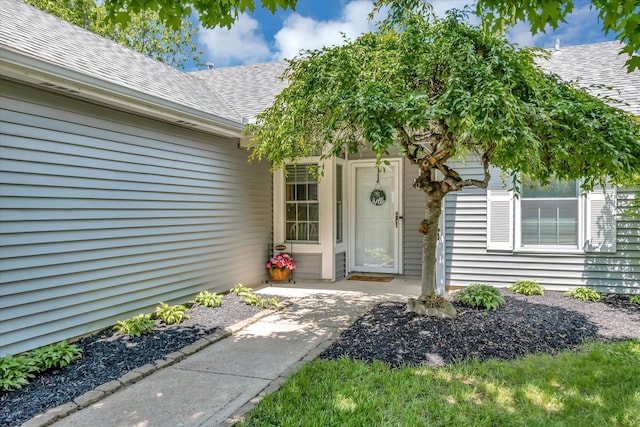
(313, 191)
(291, 212)
(555, 189)
(303, 209)
(290, 192)
(314, 212)
(550, 222)
(313, 231)
(290, 231)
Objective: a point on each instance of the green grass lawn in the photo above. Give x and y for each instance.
(596, 386)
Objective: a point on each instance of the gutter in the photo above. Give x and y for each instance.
(27, 69)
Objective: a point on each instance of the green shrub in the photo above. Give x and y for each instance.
(635, 299)
(16, 371)
(249, 297)
(527, 287)
(208, 299)
(55, 355)
(136, 326)
(478, 295)
(171, 314)
(584, 294)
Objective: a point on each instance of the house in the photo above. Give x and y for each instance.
(124, 182)
(486, 236)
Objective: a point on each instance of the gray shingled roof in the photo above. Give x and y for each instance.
(234, 93)
(598, 64)
(27, 30)
(249, 89)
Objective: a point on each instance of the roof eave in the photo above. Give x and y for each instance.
(27, 69)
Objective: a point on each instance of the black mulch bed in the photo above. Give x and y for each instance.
(107, 356)
(524, 325)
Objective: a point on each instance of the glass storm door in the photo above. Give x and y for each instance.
(375, 217)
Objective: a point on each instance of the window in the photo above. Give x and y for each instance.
(549, 215)
(301, 204)
(339, 205)
(554, 219)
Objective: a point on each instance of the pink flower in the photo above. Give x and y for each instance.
(282, 260)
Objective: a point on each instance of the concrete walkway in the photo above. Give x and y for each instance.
(221, 382)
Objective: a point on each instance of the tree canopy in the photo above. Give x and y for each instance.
(212, 13)
(144, 33)
(439, 89)
(619, 17)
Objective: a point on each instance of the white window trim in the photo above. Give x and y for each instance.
(279, 208)
(325, 245)
(556, 249)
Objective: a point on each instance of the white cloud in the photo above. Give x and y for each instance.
(582, 26)
(242, 43)
(300, 32)
(521, 35)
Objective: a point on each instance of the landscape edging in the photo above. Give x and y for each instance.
(103, 390)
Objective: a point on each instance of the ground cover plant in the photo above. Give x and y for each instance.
(106, 356)
(16, 372)
(136, 326)
(584, 294)
(526, 287)
(596, 385)
(249, 297)
(479, 295)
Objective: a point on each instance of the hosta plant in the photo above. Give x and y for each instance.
(479, 295)
(249, 297)
(16, 371)
(136, 326)
(55, 355)
(527, 287)
(584, 294)
(208, 299)
(171, 314)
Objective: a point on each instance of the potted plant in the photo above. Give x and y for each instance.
(280, 266)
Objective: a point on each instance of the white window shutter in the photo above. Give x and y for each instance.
(601, 221)
(500, 220)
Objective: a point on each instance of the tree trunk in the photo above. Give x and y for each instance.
(429, 303)
(430, 227)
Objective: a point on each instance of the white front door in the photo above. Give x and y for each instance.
(375, 217)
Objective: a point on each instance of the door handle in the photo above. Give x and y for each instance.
(398, 217)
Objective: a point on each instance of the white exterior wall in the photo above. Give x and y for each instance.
(103, 214)
(468, 260)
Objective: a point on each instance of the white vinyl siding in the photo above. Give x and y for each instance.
(103, 214)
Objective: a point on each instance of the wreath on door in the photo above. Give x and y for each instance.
(378, 196)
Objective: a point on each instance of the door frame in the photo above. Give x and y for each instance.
(399, 202)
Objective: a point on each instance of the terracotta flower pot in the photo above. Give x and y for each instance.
(279, 274)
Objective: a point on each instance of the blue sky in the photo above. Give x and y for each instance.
(261, 36)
